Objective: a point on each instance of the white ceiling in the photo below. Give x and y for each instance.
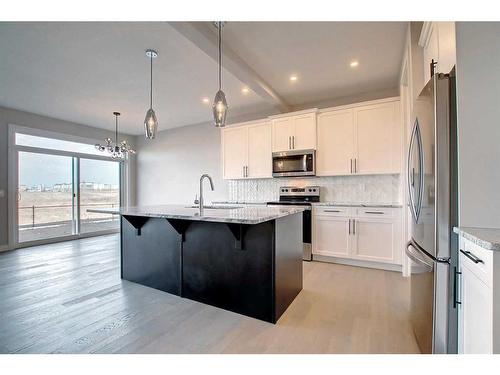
(82, 72)
(319, 53)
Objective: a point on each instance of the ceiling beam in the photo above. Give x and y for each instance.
(204, 36)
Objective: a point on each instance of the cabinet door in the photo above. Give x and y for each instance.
(282, 134)
(376, 138)
(447, 46)
(259, 151)
(335, 143)
(475, 315)
(304, 132)
(234, 156)
(430, 45)
(374, 240)
(331, 236)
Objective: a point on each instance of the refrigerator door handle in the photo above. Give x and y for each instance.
(417, 256)
(410, 182)
(421, 168)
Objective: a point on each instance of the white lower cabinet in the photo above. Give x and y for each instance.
(479, 300)
(374, 240)
(331, 236)
(367, 234)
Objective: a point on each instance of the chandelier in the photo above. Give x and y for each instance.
(117, 150)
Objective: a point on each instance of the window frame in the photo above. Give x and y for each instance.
(13, 172)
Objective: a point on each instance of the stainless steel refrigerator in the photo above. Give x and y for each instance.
(432, 191)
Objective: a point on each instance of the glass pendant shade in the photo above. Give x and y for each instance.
(150, 124)
(220, 109)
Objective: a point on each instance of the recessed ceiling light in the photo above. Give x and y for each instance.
(354, 63)
(205, 100)
(293, 78)
(245, 90)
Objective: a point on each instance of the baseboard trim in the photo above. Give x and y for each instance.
(358, 263)
(4, 248)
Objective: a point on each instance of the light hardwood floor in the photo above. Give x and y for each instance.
(69, 298)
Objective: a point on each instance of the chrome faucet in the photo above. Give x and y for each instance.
(201, 190)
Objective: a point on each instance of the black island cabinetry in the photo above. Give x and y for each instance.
(246, 260)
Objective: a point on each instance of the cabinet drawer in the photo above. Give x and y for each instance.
(332, 211)
(477, 260)
(374, 212)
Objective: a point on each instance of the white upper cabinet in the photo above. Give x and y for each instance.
(335, 143)
(234, 143)
(259, 163)
(246, 151)
(297, 132)
(378, 139)
(438, 42)
(360, 140)
(304, 137)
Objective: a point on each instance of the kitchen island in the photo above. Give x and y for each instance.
(243, 259)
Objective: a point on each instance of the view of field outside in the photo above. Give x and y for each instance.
(46, 195)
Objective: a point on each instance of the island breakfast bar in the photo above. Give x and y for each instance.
(244, 259)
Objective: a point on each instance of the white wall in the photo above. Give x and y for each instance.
(12, 116)
(169, 167)
(478, 117)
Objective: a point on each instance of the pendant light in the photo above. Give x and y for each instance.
(150, 121)
(220, 107)
(117, 150)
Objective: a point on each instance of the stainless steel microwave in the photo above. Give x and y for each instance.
(294, 163)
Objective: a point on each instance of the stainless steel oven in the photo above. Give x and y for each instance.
(294, 163)
(301, 196)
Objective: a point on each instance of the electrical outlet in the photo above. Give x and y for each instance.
(2, 193)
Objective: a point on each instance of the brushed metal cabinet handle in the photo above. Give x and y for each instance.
(293, 142)
(351, 165)
(355, 165)
(353, 226)
(289, 142)
(471, 256)
(349, 226)
(374, 212)
(331, 211)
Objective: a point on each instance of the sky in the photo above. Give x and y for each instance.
(36, 169)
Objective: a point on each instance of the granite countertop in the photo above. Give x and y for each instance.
(350, 204)
(487, 238)
(238, 215)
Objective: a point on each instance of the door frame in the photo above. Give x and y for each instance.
(13, 177)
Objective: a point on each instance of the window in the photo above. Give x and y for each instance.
(56, 144)
(57, 181)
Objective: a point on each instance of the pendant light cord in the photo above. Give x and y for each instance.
(116, 129)
(220, 55)
(151, 83)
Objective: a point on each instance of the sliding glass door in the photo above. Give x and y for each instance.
(45, 196)
(56, 188)
(99, 188)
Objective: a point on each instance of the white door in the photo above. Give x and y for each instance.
(331, 236)
(335, 143)
(375, 138)
(282, 134)
(234, 143)
(374, 240)
(304, 137)
(259, 151)
(475, 315)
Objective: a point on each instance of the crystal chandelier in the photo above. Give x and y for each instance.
(117, 150)
(220, 107)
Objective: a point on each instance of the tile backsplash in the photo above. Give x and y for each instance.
(362, 189)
